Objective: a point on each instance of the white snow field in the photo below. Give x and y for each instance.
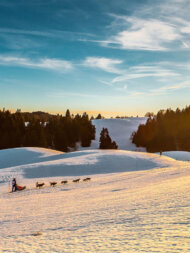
(180, 156)
(120, 130)
(135, 202)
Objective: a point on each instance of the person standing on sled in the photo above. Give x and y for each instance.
(14, 188)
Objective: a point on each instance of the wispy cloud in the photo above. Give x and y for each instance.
(19, 42)
(143, 34)
(49, 33)
(45, 63)
(105, 64)
(20, 39)
(178, 86)
(162, 90)
(158, 26)
(156, 75)
(143, 71)
(25, 32)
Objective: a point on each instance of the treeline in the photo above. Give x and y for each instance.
(42, 116)
(168, 130)
(59, 132)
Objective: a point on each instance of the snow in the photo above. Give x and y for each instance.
(139, 204)
(41, 163)
(135, 201)
(120, 130)
(20, 156)
(178, 155)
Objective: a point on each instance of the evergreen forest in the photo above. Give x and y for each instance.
(45, 130)
(166, 131)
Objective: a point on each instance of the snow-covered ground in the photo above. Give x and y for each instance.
(180, 156)
(135, 201)
(120, 131)
(28, 163)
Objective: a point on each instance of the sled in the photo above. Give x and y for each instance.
(20, 188)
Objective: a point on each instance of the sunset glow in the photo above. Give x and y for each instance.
(118, 58)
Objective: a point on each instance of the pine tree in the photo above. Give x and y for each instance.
(99, 116)
(68, 114)
(106, 141)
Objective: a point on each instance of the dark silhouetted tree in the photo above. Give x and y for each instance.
(106, 141)
(99, 116)
(68, 114)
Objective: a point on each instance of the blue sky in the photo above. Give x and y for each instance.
(115, 57)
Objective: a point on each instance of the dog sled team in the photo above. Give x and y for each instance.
(16, 187)
(40, 185)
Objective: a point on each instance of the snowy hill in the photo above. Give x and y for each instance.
(41, 163)
(38, 162)
(144, 207)
(178, 155)
(120, 131)
(134, 202)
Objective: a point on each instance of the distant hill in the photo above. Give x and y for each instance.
(33, 162)
(120, 130)
(42, 116)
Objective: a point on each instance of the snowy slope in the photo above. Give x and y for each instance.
(135, 201)
(120, 131)
(41, 163)
(178, 155)
(141, 210)
(19, 156)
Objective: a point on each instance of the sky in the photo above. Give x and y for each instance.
(124, 57)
